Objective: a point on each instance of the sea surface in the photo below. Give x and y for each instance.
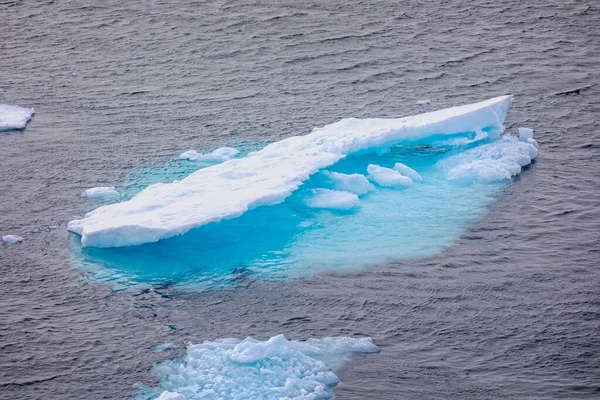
(511, 310)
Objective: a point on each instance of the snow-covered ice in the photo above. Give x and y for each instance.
(387, 177)
(525, 134)
(101, 193)
(331, 199)
(12, 239)
(408, 171)
(14, 117)
(251, 369)
(269, 176)
(219, 155)
(493, 161)
(423, 102)
(353, 183)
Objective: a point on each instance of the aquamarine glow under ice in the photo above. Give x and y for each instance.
(350, 194)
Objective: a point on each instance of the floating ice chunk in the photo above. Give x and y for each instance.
(331, 199)
(164, 347)
(423, 102)
(100, 193)
(387, 177)
(219, 155)
(408, 171)
(14, 117)
(170, 396)
(353, 183)
(494, 161)
(274, 173)
(251, 369)
(525, 133)
(533, 142)
(12, 239)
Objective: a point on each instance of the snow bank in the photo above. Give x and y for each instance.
(494, 161)
(270, 175)
(100, 193)
(251, 369)
(14, 117)
(387, 177)
(353, 183)
(12, 239)
(219, 155)
(331, 199)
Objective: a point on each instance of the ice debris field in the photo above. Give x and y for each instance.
(349, 194)
(251, 369)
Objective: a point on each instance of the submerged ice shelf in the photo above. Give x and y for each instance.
(269, 176)
(345, 215)
(251, 369)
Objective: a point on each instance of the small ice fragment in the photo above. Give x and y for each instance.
(423, 102)
(14, 117)
(191, 155)
(332, 199)
(170, 396)
(12, 239)
(387, 177)
(353, 183)
(99, 193)
(164, 347)
(533, 142)
(408, 171)
(525, 133)
(1, 92)
(218, 156)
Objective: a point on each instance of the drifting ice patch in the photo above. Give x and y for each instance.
(269, 176)
(14, 117)
(387, 177)
(100, 193)
(251, 369)
(408, 171)
(331, 199)
(353, 183)
(423, 102)
(12, 239)
(491, 162)
(219, 155)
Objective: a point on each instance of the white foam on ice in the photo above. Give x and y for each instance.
(14, 117)
(331, 199)
(387, 177)
(219, 155)
(353, 183)
(12, 239)
(268, 176)
(408, 171)
(101, 193)
(251, 369)
(493, 161)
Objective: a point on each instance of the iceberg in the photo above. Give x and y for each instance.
(353, 183)
(12, 239)
(251, 369)
(387, 177)
(331, 199)
(14, 117)
(269, 176)
(100, 193)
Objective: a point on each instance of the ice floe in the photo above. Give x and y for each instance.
(14, 117)
(331, 199)
(251, 369)
(12, 239)
(269, 176)
(353, 183)
(408, 171)
(101, 193)
(422, 102)
(219, 155)
(387, 177)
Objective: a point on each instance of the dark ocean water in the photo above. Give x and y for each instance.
(511, 311)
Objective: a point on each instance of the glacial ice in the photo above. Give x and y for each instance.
(219, 155)
(494, 161)
(12, 239)
(331, 199)
(525, 134)
(269, 176)
(353, 183)
(14, 117)
(251, 369)
(387, 177)
(101, 193)
(408, 171)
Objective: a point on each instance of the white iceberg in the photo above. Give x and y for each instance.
(251, 369)
(101, 193)
(331, 199)
(408, 171)
(219, 155)
(14, 117)
(12, 239)
(270, 175)
(353, 183)
(423, 102)
(387, 177)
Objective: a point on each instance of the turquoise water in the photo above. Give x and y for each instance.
(290, 240)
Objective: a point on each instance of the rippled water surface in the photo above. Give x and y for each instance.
(510, 311)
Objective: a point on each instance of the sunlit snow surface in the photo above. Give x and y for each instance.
(342, 216)
(251, 369)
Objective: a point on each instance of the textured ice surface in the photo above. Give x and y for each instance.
(269, 176)
(14, 117)
(387, 177)
(331, 199)
(498, 160)
(219, 155)
(12, 239)
(251, 369)
(102, 192)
